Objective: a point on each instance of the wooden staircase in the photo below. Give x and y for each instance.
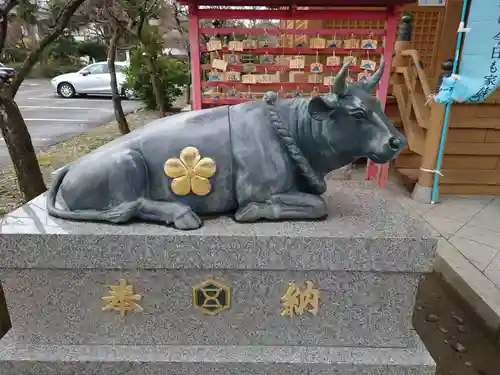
(419, 117)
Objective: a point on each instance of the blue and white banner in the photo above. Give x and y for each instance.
(479, 72)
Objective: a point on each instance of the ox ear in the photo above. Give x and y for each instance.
(374, 79)
(320, 107)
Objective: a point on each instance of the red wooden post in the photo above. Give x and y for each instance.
(194, 46)
(379, 172)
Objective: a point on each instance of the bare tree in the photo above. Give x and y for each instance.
(139, 13)
(116, 18)
(177, 20)
(145, 13)
(12, 124)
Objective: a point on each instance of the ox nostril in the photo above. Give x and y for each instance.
(394, 143)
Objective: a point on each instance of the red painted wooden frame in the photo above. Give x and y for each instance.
(374, 171)
(307, 51)
(278, 31)
(282, 68)
(297, 3)
(292, 14)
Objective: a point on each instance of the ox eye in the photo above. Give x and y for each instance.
(360, 115)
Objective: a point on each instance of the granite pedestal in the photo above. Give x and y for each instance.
(365, 259)
(4, 314)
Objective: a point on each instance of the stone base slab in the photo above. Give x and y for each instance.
(65, 307)
(18, 359)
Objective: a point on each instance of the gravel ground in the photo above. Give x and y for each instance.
(457, 340)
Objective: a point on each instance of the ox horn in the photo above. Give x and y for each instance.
(375, 78)
(340, 84)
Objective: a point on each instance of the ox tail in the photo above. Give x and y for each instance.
(123, 212)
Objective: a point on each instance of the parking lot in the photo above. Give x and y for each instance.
(51, 119)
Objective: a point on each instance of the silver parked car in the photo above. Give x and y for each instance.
(94, 79)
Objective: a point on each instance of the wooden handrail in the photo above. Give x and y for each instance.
(411, 99)
(422, 77)
(430, 117)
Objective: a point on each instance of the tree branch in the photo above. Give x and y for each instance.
(140, 25)
(62, 21)
(118, 23)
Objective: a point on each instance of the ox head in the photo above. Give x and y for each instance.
(355, 123)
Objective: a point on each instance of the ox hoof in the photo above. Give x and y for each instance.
(187, 221)
(251, 212)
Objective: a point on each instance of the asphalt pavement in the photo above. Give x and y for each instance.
(52, 119)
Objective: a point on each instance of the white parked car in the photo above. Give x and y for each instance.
(94, 79)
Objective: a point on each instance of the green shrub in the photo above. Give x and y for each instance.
(172, 74)
(54, 69)
(64, 50)
(95, 50)
(47, 71)
(14, 54)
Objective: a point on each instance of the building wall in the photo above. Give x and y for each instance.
(472, 154)
(471, 163)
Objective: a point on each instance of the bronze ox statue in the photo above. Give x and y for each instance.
(264, 159)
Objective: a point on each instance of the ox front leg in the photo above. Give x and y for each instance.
(289, 206)
(172, 213)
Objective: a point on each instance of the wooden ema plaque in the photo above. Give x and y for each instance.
(219, 64)
(315, 78)
(328, 81)
(298, 62)
(214, 45)
(235, 45)
(249, 68)
(333, 43)
(318, 43)
(369, 44)
(249, 78)
(298, 77)
(316, 67)
(256, 63)
(232, 59)
(352, 43)
(233, 76)
(351, 59)
(265, 78)
(333, 61)
(249, 44)
(368, 65)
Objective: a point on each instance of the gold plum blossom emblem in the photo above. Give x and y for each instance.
(190, 173)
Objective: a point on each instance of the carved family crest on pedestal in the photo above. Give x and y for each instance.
(271, 159)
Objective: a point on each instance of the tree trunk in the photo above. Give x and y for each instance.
(157, 87)
(117, 100)
(12, 125)
(18, 141)
(190, 78)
